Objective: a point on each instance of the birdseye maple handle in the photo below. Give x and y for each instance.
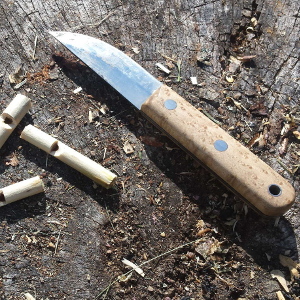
(243, 172)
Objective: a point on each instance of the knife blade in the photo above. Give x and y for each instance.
(237, 167)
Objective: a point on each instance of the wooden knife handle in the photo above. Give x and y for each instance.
(242, 171)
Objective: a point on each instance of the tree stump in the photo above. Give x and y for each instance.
(69, 242)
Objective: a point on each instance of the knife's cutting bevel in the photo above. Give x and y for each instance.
(252, 179)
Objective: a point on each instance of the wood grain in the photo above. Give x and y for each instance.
(237, 166)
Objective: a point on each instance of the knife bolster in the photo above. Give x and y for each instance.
(236, 166)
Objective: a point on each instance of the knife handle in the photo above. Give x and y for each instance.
(237, 167)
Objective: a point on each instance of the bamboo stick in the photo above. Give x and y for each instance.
(39, 138)
(69, 156)
(21, 190)
(12, 115)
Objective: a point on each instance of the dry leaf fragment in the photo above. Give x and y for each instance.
(280, 277)
(292, 265)
(17, 76)
(128, 149)
(151, 141)
(12, 160)
(208, 247)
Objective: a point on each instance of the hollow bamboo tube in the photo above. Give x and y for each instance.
(12, 115)
(39, 138)
(69, 156)
(21, 190)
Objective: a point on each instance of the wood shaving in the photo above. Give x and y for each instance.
(133, 266)
(246, 58)
(280, 295)
(292, 265)
(280, 277)
(163, 68)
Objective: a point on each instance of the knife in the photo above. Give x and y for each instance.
(237, 167)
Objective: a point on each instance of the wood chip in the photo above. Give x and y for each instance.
(296, 134)
(128, 149)
(229, 78)
(28, 296)
(136, 50)
(194, 80)
(77, 90)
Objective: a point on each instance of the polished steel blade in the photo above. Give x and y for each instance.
(115, 67)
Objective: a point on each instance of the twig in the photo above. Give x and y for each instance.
(178, 64)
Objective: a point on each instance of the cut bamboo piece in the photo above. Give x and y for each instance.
(12, 115)
(69, 156)
(39, 138)
(21, 190)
